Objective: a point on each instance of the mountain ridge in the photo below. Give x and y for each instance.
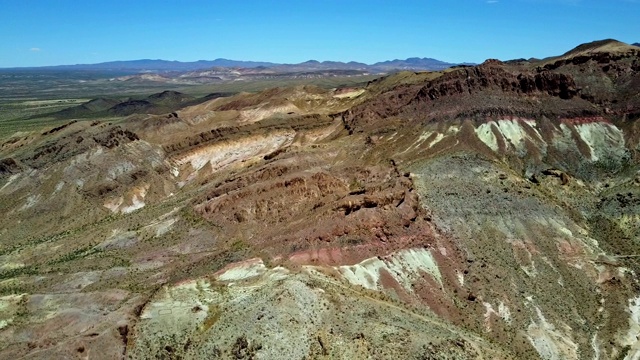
(160, 65)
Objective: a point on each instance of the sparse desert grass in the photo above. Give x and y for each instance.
(20, 110)
(18, 116)
(10, 127)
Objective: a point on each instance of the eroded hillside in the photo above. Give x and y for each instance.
(479, 212)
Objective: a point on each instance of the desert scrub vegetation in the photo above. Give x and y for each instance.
(75, 254)
(239, 245)
(13, 288)
(19, 271)
(191, 217)
(70, 232)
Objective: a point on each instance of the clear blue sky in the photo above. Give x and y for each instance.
(52, 32)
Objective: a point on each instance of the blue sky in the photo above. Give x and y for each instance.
(52, 32)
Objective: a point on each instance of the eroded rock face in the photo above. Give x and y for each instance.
(482, 212)
(9, 166)
(352, 205)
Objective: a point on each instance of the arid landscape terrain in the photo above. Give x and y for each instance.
(474, 212)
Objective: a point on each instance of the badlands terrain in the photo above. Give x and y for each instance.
(478, 212)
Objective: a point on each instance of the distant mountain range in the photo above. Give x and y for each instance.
(161, 65)
(636, 44)
(147, 65)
